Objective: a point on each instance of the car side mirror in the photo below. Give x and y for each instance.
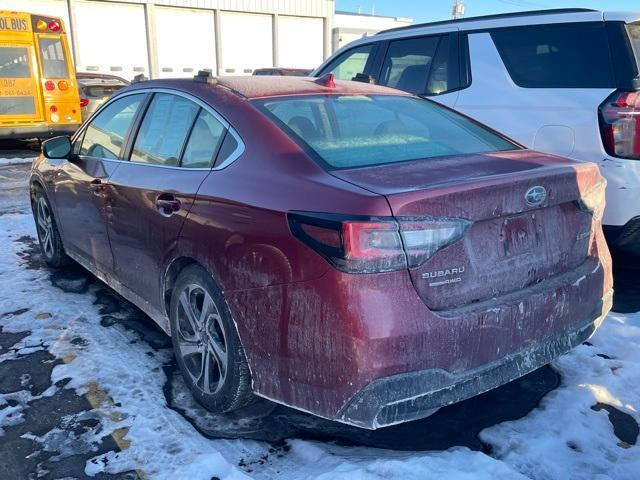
(57, 147)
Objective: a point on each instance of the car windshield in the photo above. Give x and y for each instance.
(348, 131)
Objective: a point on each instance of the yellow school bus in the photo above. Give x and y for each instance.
(38, 88)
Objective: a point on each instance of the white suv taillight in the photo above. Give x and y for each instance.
(620, 124)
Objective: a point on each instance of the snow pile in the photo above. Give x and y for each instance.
(566, 437)
(563, 438)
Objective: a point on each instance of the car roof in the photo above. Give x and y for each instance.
(251, 87)
(511, 17)
(487, 22)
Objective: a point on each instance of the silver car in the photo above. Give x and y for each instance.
(95, 89)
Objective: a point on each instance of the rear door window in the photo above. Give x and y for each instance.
(164, 130)
(350, 63)
(407, 63)
(54, 62)
(105, 135)
(569, 55)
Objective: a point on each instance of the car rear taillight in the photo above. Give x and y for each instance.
(374, 244)
(620, 124)
(84, 102)
(424, 236)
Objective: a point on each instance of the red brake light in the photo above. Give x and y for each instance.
(49, 85)
(53, 109)
(620, 124)
(375, 244)
(54, 26)
(84, 102)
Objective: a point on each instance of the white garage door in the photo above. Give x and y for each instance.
(186, 41)
(54, 8)
(300, 42)
(247, 42)
(111, 38)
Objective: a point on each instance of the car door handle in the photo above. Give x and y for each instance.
(97, 187)
(167, 204)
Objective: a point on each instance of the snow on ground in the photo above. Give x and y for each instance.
(16, 160)
(563, 438)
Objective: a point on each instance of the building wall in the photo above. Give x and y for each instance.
(348, 27)
(176, 38)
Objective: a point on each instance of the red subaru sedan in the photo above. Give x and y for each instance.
(346, 249)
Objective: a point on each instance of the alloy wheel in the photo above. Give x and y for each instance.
(201, 339)
(45, 227)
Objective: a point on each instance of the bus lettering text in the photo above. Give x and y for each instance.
(19, 24)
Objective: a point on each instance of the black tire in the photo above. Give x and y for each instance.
(51, 246)
(230, 388)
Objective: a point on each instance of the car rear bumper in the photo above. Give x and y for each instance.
(413, 395)
(36, 131)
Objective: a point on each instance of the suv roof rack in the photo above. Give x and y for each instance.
(529, 13)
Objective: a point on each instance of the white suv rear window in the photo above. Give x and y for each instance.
(567, 55)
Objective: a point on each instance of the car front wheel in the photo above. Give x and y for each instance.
(206, 344)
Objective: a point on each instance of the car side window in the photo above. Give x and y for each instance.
(408, 62)
(164, 130)
(557, 56)
(350, 63)
(204, 141)
(105, 135)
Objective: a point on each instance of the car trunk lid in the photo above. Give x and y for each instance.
(510, 243)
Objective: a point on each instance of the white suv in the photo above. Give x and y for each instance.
(561, 81)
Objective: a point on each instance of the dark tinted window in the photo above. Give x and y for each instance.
(230, 147)
(408, 63)
(572, 55)
(443, 75)
(105, 134)
(203, 141)
(348, 131)
(164, 129)
(54, 63)
(350, 63)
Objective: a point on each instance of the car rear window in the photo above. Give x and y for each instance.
(568, 55)
(100, 91)
(347, 131)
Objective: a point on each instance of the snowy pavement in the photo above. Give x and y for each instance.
(117, 408)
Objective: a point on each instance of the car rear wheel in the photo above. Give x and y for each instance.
(206, 344)
(48, 236)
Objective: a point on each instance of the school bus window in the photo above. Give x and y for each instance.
(14, 63)
(54, 63)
